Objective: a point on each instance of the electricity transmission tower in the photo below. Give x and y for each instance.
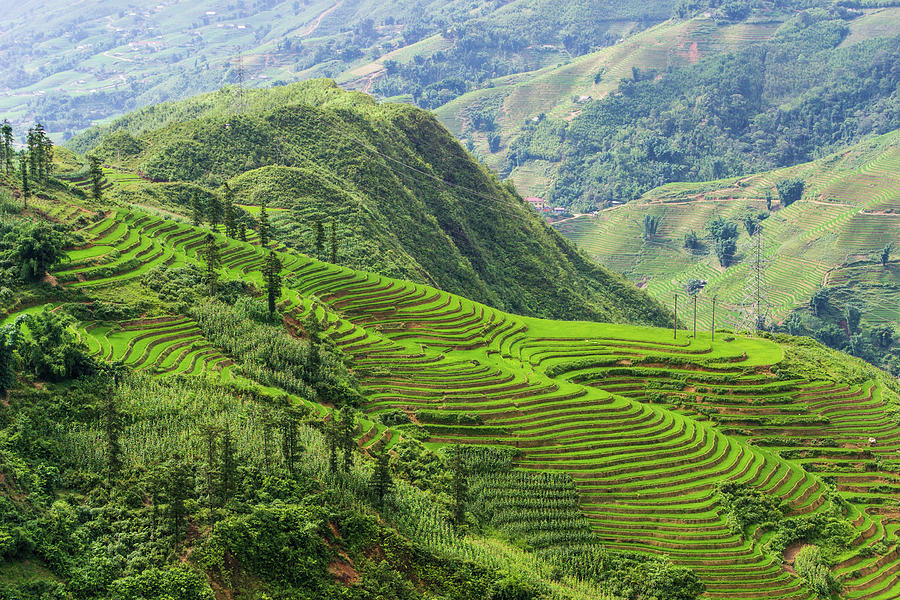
(755, 307)
(239, 104)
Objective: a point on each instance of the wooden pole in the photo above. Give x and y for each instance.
(675, 326)
(695, 316)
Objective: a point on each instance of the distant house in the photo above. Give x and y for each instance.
(559, 210)
(537, 204)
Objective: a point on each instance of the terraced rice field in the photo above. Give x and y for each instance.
(645, 425)
(850, 210)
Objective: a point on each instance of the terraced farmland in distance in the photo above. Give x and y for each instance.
(554, 90)
(646, 426)
(849, 211)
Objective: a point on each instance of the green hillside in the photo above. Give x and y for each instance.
(405, 199)
(558, 91)
(727, 455)
(578, 133)
(832, 237)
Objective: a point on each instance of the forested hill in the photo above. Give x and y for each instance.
(808, 91)
(386, 182)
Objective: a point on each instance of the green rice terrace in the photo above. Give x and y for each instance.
(849, 211)
(665, 437)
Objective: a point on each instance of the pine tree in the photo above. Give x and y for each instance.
(214, 211)
(333, 243)
(40, 150)
(178, 490)
(263, 225)
(331, 434)
(229, 466)
(290, 438)
(31, 149)
(458, 486)
(112, 427)
(23, 165)
(243, 231)
(6, 135)
(381, 482)
(230, 225)
(96, 173)
(272, 277)
(267, 424)
(46, 157)
(196, 210)
(212, 471)
(9, 340)
(320, 240)
(211, 256)
(345, 434)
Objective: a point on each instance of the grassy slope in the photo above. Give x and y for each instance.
(646, 425)
(408, 200)
(848, 211)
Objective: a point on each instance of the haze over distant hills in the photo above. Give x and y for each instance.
(72, 68)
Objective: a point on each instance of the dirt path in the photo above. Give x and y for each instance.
(577, 215)
(790, 553)
(315, 24)
(108, 55)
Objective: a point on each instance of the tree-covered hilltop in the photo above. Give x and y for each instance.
(776, 104)
(403, 198)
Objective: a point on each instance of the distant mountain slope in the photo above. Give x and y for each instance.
(405, 198)
(832, 236)
(74, 68)
(556, 127)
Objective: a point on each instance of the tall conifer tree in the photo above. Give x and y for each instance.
(458, 485)
(272, 276)
(230, 225)
(229, 465)
(23, 165)
(196, 210)
(381, 482)
(214, 211)
(263, 225)
(96, 173)
(112, 426)
(333, 243)
(6, 138)
(178, 488)
(320, 240)
(210, 254)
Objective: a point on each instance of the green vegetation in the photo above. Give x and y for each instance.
(824, 255)
(405, 199)
(616, 441)
(772, 105)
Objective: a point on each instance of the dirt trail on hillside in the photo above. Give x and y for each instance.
(315, 24)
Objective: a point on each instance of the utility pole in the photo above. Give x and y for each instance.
(675, 326)
(713, 332)
(695, 316)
